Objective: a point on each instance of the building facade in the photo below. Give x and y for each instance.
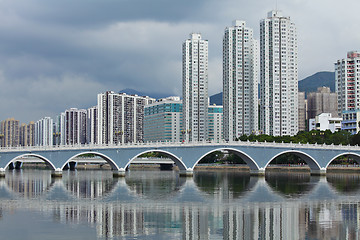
(215, 122)
(278, 75)
(302, 106)
(240, 81)
(322, 101)
(351, 121)
(163, 119)
(10, 133)
(44, 132)
(92, 125)
(325, 121)
(347, 82)
(195, 87)
(73, 126)
(27, 134)
(120, 118)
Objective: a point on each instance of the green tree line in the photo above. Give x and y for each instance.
(312, 137)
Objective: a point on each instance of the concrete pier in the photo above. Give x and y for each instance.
(260, 172)
(2, 172)
(57, 173)
(120, 173)
(186, 173)
(320, 172)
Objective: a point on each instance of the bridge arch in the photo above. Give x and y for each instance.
(173, 157)
(247, 159)
(353, 155)
(310, 161)
(47, 161)
(113, 165)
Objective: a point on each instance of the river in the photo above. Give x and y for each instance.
(162, 205)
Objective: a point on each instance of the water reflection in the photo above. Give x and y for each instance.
(224, 184)
(29, 184)
(344, 183)
(151, 212)
(291, 184)
(89, 184)
(152, 185)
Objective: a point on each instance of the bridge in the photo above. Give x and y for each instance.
(186, 156)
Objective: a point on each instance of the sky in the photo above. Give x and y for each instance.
(55, 55)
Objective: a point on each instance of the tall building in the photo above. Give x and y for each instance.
(215, 123)
(74, 126)
(44, 132)
(322, 101)
(10, 133)
(347, 82)
(27, 134)
(240, 81)
(278, 75)
(121, 117)
(162, 120)
(302, 111)
(195, 87)
(92, 125)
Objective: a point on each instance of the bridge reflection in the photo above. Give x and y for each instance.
(290, 185)
(141, 186)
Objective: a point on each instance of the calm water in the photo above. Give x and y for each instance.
(161, 205)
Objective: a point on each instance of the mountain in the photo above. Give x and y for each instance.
(319, 79)
(308, 84)
(153, 95)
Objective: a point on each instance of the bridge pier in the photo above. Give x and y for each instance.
(120, 173)
(318, 172)
(2, 172)
(57, 173)
(186, 173)
(259, 172)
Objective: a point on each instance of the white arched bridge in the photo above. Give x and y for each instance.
(186, 156)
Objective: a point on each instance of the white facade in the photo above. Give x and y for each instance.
(240, 81)
(44, 132)
(92, 124)
(278, 75)
(163, 120)
(325, 121)
(195, 87)
(347, 82)
(215, 123)
(120, 118)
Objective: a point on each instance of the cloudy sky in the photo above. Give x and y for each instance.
(55, 55)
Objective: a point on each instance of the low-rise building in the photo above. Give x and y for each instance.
(325, 121)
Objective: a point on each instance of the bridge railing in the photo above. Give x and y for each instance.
(221, 144)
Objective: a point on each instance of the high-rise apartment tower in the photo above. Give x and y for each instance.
(240, 81)
(347, 82)
(278, 75)
(195, 88)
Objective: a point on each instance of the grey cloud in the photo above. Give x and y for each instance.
(76, 49)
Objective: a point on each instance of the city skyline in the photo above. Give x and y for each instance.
(55, 56)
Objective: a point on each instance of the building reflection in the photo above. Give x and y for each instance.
(258, 221)
(157, 208)
(29, 185)
(89, 185)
